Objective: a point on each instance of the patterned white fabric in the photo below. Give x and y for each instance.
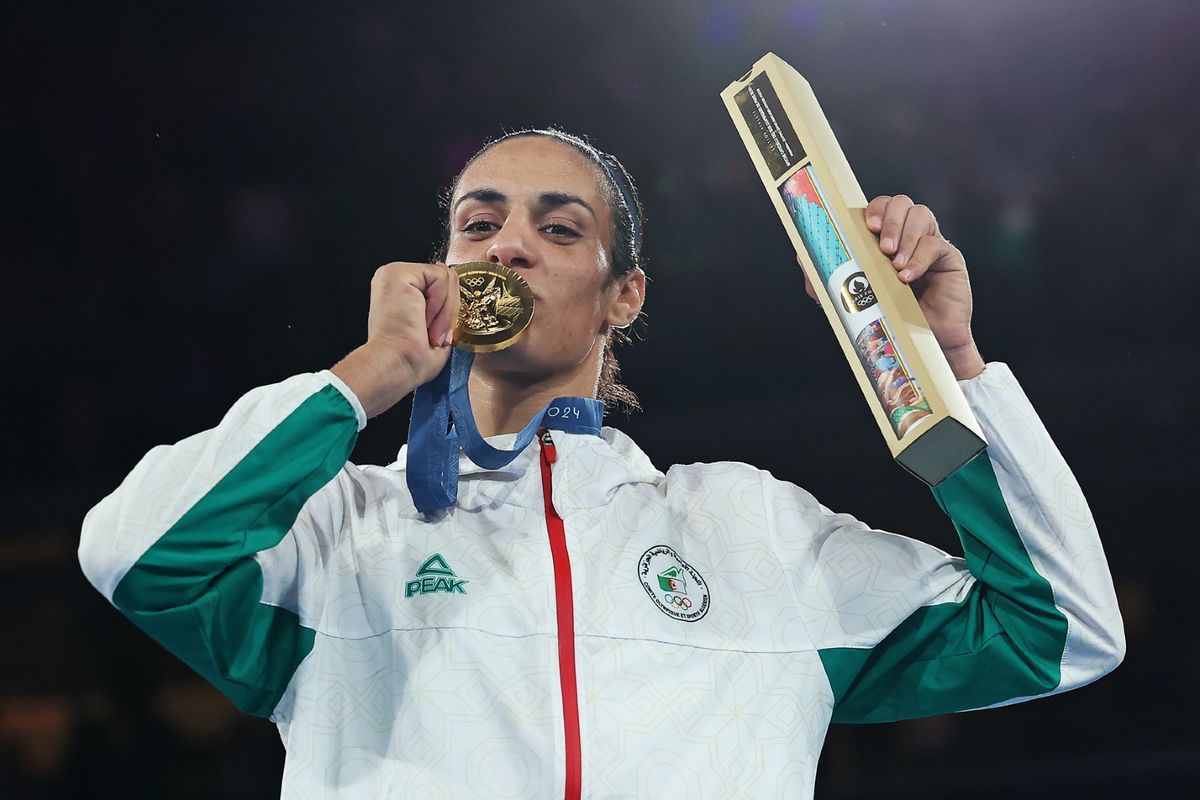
(458, 695)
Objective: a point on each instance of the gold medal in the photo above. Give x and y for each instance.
(495, 306)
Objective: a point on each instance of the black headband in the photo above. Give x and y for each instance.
(616, 176)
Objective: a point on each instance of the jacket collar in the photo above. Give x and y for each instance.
(587, 472)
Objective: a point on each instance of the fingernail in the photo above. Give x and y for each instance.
(905, 274)
(447, 339)
(887, 244)
(900, 259)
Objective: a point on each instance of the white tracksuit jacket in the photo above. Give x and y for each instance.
(690, 634)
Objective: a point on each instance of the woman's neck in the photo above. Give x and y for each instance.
(504, 403)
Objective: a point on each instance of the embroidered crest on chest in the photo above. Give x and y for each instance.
(674, 585)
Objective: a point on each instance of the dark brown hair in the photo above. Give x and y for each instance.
(622, 197)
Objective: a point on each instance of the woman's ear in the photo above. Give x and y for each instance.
(627, 303)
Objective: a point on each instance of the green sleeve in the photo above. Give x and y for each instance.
(1002, 641)
(197, 589)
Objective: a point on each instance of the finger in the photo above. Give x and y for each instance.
(441, 306)
(893, 221)
(928, 251)
(434, 283)
(874, 212)
(918, 223)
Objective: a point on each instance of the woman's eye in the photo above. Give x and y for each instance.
(561, 231)
(479, 226)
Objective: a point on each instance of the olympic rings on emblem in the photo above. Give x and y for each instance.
(677, 600)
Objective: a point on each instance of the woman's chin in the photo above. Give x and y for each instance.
(510, 360)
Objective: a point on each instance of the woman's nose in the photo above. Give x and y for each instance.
(512, 245)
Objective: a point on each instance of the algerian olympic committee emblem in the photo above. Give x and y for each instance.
(673, 584)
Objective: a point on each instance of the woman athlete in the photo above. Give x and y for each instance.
(578, 623)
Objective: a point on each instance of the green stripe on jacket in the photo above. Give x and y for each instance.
(198, 589)
(1004, 640)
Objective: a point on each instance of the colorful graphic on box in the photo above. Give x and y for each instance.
(903, 401)
(816, 226)
(902, 398)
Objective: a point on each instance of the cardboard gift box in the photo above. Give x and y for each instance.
(905, 378)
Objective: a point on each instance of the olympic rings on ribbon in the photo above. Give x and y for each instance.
(677, 600)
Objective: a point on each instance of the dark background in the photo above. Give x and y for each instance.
(195, 200)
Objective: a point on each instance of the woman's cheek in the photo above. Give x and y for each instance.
(562, 331)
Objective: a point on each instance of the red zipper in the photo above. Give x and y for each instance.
(566, 622)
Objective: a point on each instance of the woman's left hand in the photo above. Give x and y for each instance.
(936, 271)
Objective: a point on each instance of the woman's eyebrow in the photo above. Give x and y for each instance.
(485, 194)
(546, 200)
(559, 199)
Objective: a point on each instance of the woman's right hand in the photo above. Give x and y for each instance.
(409, 332)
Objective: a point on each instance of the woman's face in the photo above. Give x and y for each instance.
(535, 205)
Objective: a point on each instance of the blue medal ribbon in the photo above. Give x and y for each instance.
(443, 424)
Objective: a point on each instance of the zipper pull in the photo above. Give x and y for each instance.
(549, 454)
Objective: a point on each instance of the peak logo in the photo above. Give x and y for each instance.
(435, 576)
